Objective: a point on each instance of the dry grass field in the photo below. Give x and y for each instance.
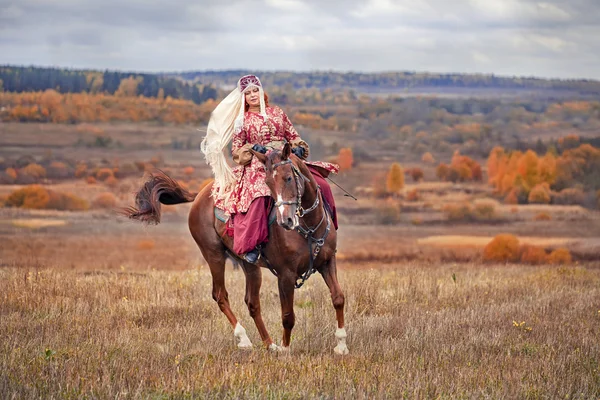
(415, 331)
(95, 306)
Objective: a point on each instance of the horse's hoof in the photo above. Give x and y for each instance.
(341, 349)
(243, 339)
(278, 349)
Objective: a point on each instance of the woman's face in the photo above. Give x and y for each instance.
(252, 97)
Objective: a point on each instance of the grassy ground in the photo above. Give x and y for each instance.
(415, 330)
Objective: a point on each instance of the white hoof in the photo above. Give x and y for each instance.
(341, 348)
(278, 349)
(243, 339)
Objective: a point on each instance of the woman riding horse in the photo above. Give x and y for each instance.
(246, 118)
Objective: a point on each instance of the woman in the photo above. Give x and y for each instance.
(245, 118)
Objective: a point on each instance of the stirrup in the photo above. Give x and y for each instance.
(252, 256)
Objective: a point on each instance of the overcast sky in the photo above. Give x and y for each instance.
(552, 38)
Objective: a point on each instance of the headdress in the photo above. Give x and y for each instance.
(226, 120)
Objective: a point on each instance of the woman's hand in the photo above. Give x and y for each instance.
(259, 148)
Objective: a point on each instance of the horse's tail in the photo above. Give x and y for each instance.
(159, 188)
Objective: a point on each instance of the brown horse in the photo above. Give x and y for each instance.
(301, 242)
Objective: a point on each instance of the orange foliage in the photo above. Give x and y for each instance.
(34, 170)
(104, 173)
(543, 216)
(540, 194)
(105, 200)
(189, 171)
(11, 172)
(90, 180)
(503, 248)
(428, 158)
(51, 106)
(416, 174)
(111, 182)
(38, 197)
(560, 256)
(345, 159)
(413, 195)
(533, 255)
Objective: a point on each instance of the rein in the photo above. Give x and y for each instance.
(306, 232)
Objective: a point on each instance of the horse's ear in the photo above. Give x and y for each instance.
(261, 157)
(287, 150)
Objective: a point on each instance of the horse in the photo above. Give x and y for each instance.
(301, 242)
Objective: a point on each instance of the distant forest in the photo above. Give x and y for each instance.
(33, 79)
(392, 80)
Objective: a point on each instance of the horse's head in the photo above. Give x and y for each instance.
(286, 183)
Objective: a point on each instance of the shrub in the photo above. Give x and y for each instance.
(90, 180)
(32, 196)
(540, 194)
(58, 170)
(81, 171)
(543, 216)
(416, 221)
(442, 171)
(105, 200)
(458, 212)
(560, 256)
(395, 179)
(111, 182)
(503, 248)
(533, 255)
(428, 158)
(104, 173)
(34, 170)
(416, 174)
(413, 195)
(11, 172)
(570, 196)
(485, 210)
(388, 213)
(511, 197)
(188, 171)
(66, 202)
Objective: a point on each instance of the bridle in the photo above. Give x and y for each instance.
(306, 232)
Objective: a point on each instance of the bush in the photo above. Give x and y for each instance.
(458, 212)
(560, 256)
(34, 170)
(543, 216)
(146, 244)
(58, 170)
(485, 210)
(38, 197)
(413, 195)
(90, 180)
(540, 194)
(388, 213)
(428, 158)
(503, 248)
(570, 196)
(188, 171)
(105, 200)
(533, 255)
(111, 182)
(32, 196)
(104, 173)
(416, 174)
(81, 171)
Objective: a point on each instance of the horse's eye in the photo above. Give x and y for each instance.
(289, 179)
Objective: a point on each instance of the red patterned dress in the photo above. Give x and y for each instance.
(249, 200)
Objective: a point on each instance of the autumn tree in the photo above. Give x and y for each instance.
(395, 178)
(345, 159)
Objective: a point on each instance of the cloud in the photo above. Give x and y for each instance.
(553, 38)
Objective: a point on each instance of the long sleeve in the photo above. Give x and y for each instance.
(292, 136)
(240, 149)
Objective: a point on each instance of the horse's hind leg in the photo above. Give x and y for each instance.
(252, 298)
(329, 273)
(220, 295)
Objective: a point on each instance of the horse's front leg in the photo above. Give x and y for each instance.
(252, 298)
(286, 295)
(329, 273)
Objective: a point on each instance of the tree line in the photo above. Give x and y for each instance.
(34, 79)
